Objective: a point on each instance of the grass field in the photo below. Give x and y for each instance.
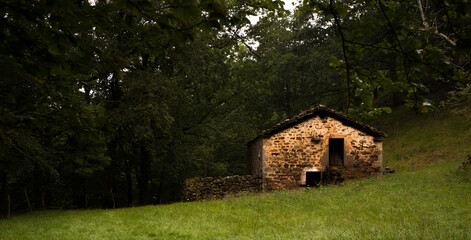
(424, 200)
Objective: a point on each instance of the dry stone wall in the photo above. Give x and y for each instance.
(217, 188)
(289, 154)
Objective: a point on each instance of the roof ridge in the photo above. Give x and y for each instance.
(288, 122)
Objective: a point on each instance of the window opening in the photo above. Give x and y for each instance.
(313, 179)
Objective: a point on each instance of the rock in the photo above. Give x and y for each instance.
(217, 188)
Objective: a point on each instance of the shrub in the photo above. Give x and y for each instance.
(464, 170)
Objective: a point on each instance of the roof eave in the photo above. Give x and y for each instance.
(318, 111)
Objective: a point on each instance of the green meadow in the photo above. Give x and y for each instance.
(426, 199)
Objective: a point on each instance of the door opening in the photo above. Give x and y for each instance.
(336, 152)
(313, 179)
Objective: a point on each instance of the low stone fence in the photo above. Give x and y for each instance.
(217, 188)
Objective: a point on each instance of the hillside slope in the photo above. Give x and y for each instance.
(424, 200)
(416, 141)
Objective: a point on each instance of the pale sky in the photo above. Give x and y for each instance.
(288, 6)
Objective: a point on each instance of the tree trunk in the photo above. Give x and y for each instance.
(43, 202)
(129, 183)
(38, 191)
(116, 94)
(27, 200)
(111, 181)
(77, 188)
(143, 179)
(86, 201)
(9, 205)
(160, 189)
(113, 202)
(4, 203)
(110, 185)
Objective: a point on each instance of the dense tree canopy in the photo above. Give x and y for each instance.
(116, 103)
(413, 47)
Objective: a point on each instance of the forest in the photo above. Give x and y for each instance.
(115, 103)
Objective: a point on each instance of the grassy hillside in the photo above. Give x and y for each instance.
(424, 200)
(416, 141)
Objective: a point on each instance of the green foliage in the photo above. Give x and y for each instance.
(407, 46)
(86, 91)
(460, 101)
(100, 102)
(333, 176)
(290, 72)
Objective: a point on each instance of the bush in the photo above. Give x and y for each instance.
(464, 170)
(333, 176)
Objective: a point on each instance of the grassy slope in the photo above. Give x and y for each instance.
(427, 203)
(417, 141)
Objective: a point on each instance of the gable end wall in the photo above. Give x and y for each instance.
(288, 154)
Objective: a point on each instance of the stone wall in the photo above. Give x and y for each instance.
(289, 154)
(218, 188)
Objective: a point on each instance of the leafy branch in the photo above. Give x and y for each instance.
(344, 52)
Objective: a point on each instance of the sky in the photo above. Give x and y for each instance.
(288, 6)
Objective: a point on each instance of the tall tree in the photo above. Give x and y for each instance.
(71, 69)
(291, 69)
(415, 47)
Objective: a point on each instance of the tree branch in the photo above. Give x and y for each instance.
(344, 51)
(404, 54)
(367, 45)
(248, 46)
(157, 22)
(427, 26)
(422, 15)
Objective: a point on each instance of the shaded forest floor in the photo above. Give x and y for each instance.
(425, 199)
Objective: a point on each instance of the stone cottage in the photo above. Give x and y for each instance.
(297, 151)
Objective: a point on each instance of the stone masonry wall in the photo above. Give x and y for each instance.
(217, 188)
(305, 147)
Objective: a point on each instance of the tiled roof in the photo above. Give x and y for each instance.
(323, 111)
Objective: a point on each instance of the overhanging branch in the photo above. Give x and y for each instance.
(344, 51)
(427, 27)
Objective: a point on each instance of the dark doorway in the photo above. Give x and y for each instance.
(336, 152)
(313, 179)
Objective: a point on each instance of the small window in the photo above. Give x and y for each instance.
(313, 179)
